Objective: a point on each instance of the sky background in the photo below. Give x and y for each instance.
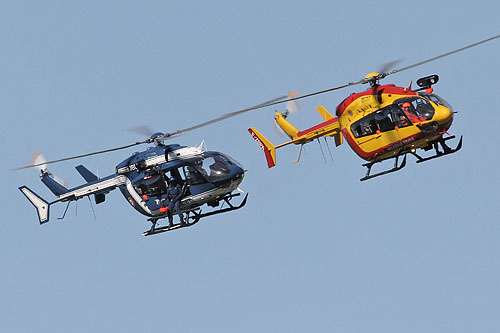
(314, 249)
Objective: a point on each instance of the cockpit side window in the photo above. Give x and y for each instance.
(384, 121)
(400, 119)
(213, 167)
(193, 175)
(419, 106)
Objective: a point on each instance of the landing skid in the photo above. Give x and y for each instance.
(436, 144)
(438, 153)
(193, 216)
(394, 169)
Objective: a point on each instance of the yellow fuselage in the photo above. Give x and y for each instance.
(358, 115)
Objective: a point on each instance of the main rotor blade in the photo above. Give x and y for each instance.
(165, 136)
(443, 55)
(389, 65)
(229, 115)
(382, 75)
(143, 130)
(80, 156)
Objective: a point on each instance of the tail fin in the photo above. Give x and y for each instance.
(268, 148)
(42, 206)
(324, 113)
(337, 136)
(86, 173)
(90, 177)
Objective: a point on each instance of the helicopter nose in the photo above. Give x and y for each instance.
(444, 117)
(446, 113)
(239, 172)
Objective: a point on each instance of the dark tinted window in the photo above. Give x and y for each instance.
(422, 107)
(382, 120)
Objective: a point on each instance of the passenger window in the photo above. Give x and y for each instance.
(384, 122)
(381, 120)
(151, 185)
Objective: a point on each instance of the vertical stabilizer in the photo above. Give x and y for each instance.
(268, 148)
(42, 206)
(324, 113)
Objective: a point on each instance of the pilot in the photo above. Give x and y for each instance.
(174, 194)
(410, 113)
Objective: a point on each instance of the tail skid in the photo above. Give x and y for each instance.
(42, 206)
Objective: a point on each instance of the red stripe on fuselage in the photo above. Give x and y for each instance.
(314, 128)
(370, 156)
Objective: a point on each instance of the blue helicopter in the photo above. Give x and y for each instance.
(208, 178)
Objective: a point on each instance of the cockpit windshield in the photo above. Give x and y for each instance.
(419, 107)
(215, 166)
(436, 99)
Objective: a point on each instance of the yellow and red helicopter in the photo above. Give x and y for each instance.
(383, 122)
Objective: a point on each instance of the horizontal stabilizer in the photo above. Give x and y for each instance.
(90, 177)
(86, 173)
(41, 205)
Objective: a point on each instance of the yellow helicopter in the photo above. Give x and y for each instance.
(383, 122)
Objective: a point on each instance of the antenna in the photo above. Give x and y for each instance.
(328, 146)
(322, 153)
(92, 206)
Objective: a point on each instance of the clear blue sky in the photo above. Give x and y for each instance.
(314, 249)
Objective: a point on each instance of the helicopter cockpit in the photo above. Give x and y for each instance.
(436, 99)
(215, 166)
(420, 107)
(195, 175)
(403, 112)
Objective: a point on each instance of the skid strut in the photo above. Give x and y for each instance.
(193, 216)
(395, 168)
(440, 148)
(439, 143)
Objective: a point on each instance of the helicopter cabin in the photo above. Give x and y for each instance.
(201, 178)
(380, 122)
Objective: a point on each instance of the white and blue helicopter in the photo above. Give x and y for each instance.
(207, 178)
